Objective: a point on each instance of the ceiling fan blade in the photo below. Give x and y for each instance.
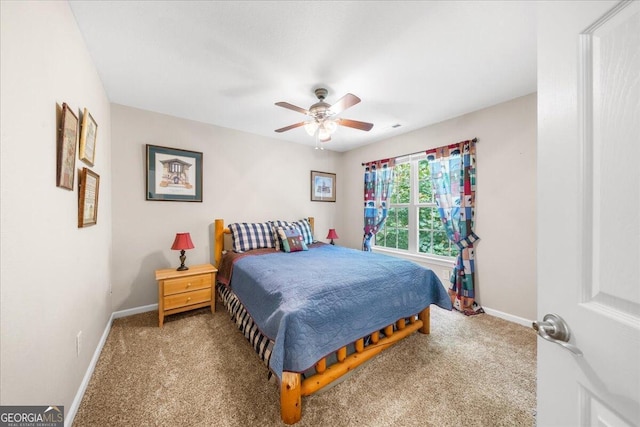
(286, 128)
(355, 124)
(349, 100)
(292, 107)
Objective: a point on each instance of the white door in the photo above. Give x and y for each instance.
(588, 256)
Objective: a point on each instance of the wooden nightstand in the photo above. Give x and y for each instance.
(180, 291)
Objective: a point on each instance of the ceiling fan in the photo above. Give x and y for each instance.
(322, 120)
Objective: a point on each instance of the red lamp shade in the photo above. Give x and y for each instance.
(332, 234)
(182, 242)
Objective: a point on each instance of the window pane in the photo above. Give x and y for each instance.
(425, 190)
(425, 215)
(424, 242)
(436, 222)
(402, 187)
(403, 239)
(403, 217)
(391, 239)
(424, 218)
(391, 219)
(379, 237)
(440, 243)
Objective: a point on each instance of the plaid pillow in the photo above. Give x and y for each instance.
(250, 235)
(305, 229)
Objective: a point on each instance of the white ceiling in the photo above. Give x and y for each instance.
(227, 62)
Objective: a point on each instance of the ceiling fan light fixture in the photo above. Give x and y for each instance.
(311, 127)
(324, 132)
(323, 129)
(330, 126)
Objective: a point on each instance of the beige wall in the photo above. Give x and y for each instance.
(505, 213)
(246, 178)
(54, 277)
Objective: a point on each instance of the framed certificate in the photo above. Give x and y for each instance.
(88, 134)
(66, 148)
(89, 186)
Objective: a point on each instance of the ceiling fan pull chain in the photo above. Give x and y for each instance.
(317, 138)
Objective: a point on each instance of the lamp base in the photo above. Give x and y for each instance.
(183, 258)
(331, 242)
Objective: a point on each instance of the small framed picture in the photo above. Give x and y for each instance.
(88, 135)
(173, 174)
(89, 188)
(66, 148)
(323, 186)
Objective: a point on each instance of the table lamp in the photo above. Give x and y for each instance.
(182, 242)
(332, 235)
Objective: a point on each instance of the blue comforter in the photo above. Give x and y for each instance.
(311, 303)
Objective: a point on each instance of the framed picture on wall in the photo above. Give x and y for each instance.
(323, 186)
(88, 134)
(173, 174)
(66, 148)
(88, 190)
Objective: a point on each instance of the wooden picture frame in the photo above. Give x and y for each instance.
(88, 135)
(173, 174)
(323, 186)
(88, 191)
(66, 148)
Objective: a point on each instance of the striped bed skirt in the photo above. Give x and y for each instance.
(260, 343)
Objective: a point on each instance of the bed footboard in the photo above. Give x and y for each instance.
(292, 387)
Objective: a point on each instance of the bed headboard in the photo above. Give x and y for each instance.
(219, 233)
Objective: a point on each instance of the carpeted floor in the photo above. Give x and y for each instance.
(199, 371)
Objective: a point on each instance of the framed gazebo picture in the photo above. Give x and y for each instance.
(173, 174)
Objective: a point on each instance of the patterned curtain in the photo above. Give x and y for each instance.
(453, 173)
(378, 185)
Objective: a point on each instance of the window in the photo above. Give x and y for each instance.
(413, 223)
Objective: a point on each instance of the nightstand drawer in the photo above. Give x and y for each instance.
(191, 283)
(187, 298)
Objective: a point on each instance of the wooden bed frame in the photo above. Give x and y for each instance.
(293, 387)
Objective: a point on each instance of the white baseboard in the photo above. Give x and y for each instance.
(135, 310)
(506, 316)
(71, 413)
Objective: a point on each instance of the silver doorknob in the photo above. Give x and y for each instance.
(554, 329)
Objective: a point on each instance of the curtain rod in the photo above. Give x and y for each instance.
(417, 152)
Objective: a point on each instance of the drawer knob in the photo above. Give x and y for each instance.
(188, 299)
(188, 284)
